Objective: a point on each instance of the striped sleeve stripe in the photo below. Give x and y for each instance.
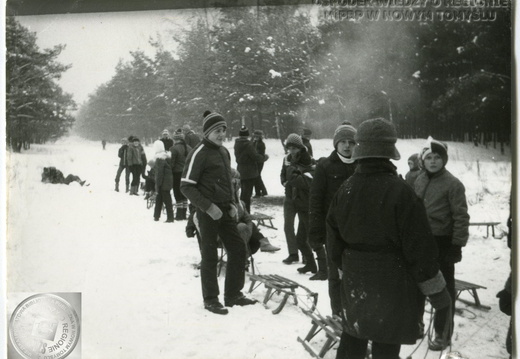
(190, 167)
(188, 181)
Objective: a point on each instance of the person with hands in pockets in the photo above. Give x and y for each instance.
(207, 183)
(379, 237)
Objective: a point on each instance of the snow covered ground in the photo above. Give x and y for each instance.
(141, 295)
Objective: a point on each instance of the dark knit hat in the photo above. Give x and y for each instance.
(376, 138)
(434, 146)
(306, 131)
(294, 140)
(207, 112)
(211, 122)
(244, 131)
(178, 135)
(344, 132)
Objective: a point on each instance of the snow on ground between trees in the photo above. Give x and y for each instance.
(141, 294)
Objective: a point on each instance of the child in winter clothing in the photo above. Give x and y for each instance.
(179, 151)
(445, 201)
(306, 139)
(297, 174)
(415, 169)
(122, 165)
(381, 240)
(149, 180)
(259, 146)
(206, 182)
(247, 164)
(55, 176)
(330, 173)
(163, 182)
(135, 164)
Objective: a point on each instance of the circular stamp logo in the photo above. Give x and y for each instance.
(44, 326)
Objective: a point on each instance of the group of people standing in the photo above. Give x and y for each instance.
(384, 243)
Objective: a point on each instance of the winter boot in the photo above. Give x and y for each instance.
(265, 246)
(181, 214)
(215, 307)
(310, 265)
(321, 258)
(439, 343)
(133, 191)
(127, 189)
(293, 258)
(240, 300)
(117, 187)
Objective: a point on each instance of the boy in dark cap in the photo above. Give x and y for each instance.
(445, 201)
(207, 183)
(259, 145)
(306, 138)
(381, 240)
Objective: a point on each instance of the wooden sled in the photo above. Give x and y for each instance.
(461, 286)
(276, 284)
(263, 220)
(330, 326)
(488, 225)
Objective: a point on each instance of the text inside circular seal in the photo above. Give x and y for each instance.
(44, 326)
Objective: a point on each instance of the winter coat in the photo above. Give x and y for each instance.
(206, 177)
(179, 152)
(168, 143)
(412, 175)
(299, 176)
(445, 201)
(381, 239)
(122, 155)
(133, 156)
(259, 146)
(307, 143)
(191, 139)
(247, 158)
(163, 172)
(330, 173)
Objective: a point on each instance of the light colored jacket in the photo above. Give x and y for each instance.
(445, 201)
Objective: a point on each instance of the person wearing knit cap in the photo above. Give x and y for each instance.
(247, 164)
(207, 183)
(166, 139)
(306, 139)
(330, 173)
(259, 145)
(378, 234)
(296, 176)
(444, 197)
(415, 169)
(121, 153)
(179, 151)
(163, 182)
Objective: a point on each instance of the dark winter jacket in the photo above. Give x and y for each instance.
(179, 152)
(191, 139)
(259, 146)
(133, 156)
(122, 155)
(247, 158)
(330, 173)
(206, 177)
(299, 175)
(163, 172)
(445, 201)
(307, 143)
(168, 142)
(381, 239)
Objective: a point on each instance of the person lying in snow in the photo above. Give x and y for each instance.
(55, 176)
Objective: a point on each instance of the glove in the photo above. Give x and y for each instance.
(454, 254)
(440, 300)
(190, 231)
(214, 212)
(232, 211)
(505, 301)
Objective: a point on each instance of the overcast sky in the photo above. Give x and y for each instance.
(96, 41)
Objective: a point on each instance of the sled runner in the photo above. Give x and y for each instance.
(261, 220)
(276, 284)
(461, 286)
(331, 326)
(488, 225)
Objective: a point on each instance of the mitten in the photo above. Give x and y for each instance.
(454, 254)
(214, 212)
(440, 300)
(190, 231)
(505, 301)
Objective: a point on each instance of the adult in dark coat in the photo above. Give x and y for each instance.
(306, 138)
(163, 182)
(247, 159)
(190, 137)
(134, 160)
(330, 173)
(166, 139)
(179, 152)
(121, 153)
(381, 239)
(259, 145)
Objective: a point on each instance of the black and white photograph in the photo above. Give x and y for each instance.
(260, 179)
